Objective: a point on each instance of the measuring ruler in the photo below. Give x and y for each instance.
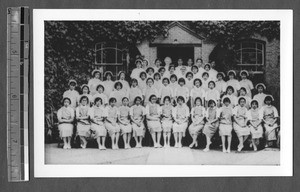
(17, 93)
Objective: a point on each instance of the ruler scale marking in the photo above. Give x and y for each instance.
(17, 86)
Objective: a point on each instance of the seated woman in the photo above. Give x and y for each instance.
(270, 117)
(254, 118)
(197, 116)
(83, 124)
(212, 123)
(181, 115)
(153, 112)
(97, 115)
(65, 117)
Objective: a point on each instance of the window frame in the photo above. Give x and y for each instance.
(117, 49)
(256, 41)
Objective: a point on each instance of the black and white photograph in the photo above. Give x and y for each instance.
(158, 91)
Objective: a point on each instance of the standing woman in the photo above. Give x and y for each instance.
(111, 123)
(260, 96)
(134, 92)
(167, 121)
(212, 123)
(108, 83)
(83, 124)
(233, 82)
(189, 80)
(85, 91)
(165, 91)
(211, 94)
(240, 122)
(137, 71)
(100, 93)
(118, 93)
(65, 116)
(72, 94)
(270, 117)
(181, 115)
(142, 81)
(122, 79)
(230, 94)
(182, 91)
(157, 64)
(173, 83)
(124, 122)
(153, 112)
(150, 72)
(137, 116)
(254, 117)
(221, 85)
(197, 91)
(245, 82)
(93, 82)
(212, 74)
(197, 116)
(145, 64)
(97, 114)
(150, 90)
(157, 81)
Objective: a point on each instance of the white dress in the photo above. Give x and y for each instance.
(65, 129)
(153, 110)
(97, 114)
(93, 83)
(137, 113)
(83, 126)
(180, 113)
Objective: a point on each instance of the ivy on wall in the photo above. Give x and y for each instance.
(69, 45)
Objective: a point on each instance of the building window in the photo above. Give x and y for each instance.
(250, 55)
(109, 54)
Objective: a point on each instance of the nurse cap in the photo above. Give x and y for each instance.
(121, 72)
(72, 81)
(231, 71)
(94, 71)
(84, 85)
(108, 72)
(260, 84)
(138, 60)
(221, 73)
(244, 71)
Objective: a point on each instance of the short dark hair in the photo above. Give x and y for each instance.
(173, 76)
(211, 101)
(98, 99)
(180, 98)
(150, 98)
(181, 80)
(167, 97)
(197, 79)
(98, 86)
(125, 98)
(240, 99)
(67, 98)
(137, 97)
(118, 83)
(84, 97)
(112, 99)
(198, 98)
(165, 78)
(226, 99)
(230, 87)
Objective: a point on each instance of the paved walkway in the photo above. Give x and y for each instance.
(152, 156)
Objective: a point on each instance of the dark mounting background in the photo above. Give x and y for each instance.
(244, 184)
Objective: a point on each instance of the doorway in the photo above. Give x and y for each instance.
(175, 52)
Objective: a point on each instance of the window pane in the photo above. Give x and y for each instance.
(259, 46)
(248, 45)
(259, 58)
(119, 57)
(237, 57)
(109, 55)
(249, 58)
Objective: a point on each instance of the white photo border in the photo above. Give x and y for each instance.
(286, 94)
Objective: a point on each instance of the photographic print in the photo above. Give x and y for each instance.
(163, 91)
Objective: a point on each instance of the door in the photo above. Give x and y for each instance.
(175, 52)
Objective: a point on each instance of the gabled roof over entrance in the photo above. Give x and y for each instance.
(178, 34)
